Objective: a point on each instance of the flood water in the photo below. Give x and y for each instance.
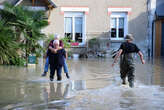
(94, 85)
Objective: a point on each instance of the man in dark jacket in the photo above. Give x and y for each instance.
(56, 61)
(50, 48)
(126, 51)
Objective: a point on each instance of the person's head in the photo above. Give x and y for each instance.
(129, 38)
(56, 36)
(56, 43)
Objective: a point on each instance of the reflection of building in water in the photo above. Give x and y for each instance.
(158, 72)
(78, 85)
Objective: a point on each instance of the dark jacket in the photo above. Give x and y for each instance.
(57, 59)
(51, 44)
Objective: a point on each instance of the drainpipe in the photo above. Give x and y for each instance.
(152, 53)
(151, 6)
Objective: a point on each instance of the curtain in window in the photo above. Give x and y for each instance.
(121, 27)
(78, 29)
(78, 24)
(68, 25)
(113, 27)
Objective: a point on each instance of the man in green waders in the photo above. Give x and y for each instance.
(125, 53)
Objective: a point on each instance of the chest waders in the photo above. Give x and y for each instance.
(127, 67)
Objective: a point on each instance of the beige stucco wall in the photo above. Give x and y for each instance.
(98, 20)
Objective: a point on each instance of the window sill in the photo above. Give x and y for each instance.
(78, 45)
(116, 41)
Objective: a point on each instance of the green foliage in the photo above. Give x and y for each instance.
(26, 23)
(66, 42)
(8, 45)
(93, 41)
(17, 61)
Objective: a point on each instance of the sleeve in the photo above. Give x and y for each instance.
(51, 43)
(64, 53)
(61, 43)
(136, 49)
(121, 46)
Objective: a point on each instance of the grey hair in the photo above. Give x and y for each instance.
(55, 42)
(56, 36)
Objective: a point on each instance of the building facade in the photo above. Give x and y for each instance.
(156, 27)
(110, 20)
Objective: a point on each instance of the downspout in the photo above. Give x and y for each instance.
(151, 6)
(148, 34)
(152, 53)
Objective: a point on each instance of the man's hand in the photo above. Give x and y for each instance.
(54, 50)
(141, 57)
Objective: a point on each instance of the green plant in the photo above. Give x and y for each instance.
(66, 42)
(27, 23)
(69, 53)
(8, 44)
(92, 42)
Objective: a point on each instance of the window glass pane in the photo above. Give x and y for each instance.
(78, 29)
(121, 27)
(113, 27)
(68, 27)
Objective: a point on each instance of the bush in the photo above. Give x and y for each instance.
(93, 42)
(17, 61)
(66, 42)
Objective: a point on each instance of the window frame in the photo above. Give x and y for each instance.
(118, 15)
(73, 15)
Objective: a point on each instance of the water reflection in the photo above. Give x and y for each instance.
(78, 85)
(54, 97)
(158, 71)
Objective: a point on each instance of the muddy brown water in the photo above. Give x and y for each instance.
(94, 85)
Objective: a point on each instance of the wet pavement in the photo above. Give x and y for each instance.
(94, 85)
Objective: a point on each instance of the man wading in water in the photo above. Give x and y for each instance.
(125, 53)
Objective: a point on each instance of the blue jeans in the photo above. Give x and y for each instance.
(65, 66)
(47, 64)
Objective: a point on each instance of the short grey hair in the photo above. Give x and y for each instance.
(56, 36)
(55, 42)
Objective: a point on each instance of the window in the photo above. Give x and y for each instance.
(74, 26)
(68, 27)
(118, 25)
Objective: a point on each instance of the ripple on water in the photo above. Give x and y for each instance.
(122, 97)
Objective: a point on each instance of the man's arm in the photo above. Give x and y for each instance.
(53, 49)
(117, 56)
(141, 57)
(50, 47)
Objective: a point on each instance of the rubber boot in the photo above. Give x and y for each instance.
(131, 84)
(123, 81)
